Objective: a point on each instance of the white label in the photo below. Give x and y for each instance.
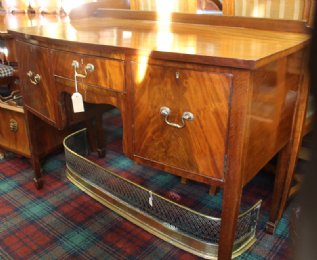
(151, 199)
(78, 103)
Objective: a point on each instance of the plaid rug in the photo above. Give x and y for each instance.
(60, 221)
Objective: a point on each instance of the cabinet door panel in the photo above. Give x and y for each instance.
(38, 93)
(15, 139)
(200, 146)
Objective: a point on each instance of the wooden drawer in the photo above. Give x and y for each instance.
(35, 76)
(13, 133)
(199, 147)
(107, 73)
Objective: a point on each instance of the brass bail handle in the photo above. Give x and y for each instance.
(88, 68)
(187, 116)
(34, 78)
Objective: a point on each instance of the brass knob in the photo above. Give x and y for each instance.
(13, 124)
(88, 68)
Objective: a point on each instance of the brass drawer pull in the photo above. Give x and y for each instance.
(13, 124)
(88, 68)
(34, 79)
(165, 111)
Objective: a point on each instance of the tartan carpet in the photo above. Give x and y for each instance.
(60, 221)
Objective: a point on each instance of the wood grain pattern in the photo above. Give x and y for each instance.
(44, 139)
(233, 107)
(275, 92)
(228, 7)
(12, 54)
(200, 146)
(241, 98)
(39, 98)
(9, 22)
(90, 8)
(108, 73)
(18, 141)
(172, 5)
(214, 45)
(286, 167)
(206, 19)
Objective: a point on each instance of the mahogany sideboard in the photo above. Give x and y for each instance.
(13, 130)
(210, 99)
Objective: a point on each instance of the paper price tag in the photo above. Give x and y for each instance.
(78, 103)
(151, 199)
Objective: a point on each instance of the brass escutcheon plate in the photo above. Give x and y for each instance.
(13, 124)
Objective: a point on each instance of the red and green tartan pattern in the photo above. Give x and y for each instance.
(62, 222)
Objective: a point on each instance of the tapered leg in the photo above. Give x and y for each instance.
(279, 186)
(35, 156)
(213, 190)
(36, 164)
(96, 135)
(2, 154)
(287, 160)
(234, 166)
(229, 216)
(101, 143)
(183, 180)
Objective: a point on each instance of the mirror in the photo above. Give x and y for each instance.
(273, 9)
(297, 10)
(180, 6)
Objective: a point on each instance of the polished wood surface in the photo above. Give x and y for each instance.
(188, 148)
(291, 10)
(14, 141)
(36, 96)
(107, 72)
(227, 78)
(285, 175)
(208, 44)
(90, 8)
(172, 5)
(207, 19)
(14, 21)
(275, 92)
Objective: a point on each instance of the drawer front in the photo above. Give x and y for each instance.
(13, 133)
(36, 81)
(199, 146)
(107, 73)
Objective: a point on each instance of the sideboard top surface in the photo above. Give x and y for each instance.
(209, 44)
(15, 21)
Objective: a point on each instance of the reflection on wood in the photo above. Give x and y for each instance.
(274, 9)
(167, 5)
(278, 9)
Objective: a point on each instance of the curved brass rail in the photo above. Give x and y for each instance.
(181, 226)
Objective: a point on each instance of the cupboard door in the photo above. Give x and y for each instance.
(36, 80)
(13, 133)
(197, 147)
